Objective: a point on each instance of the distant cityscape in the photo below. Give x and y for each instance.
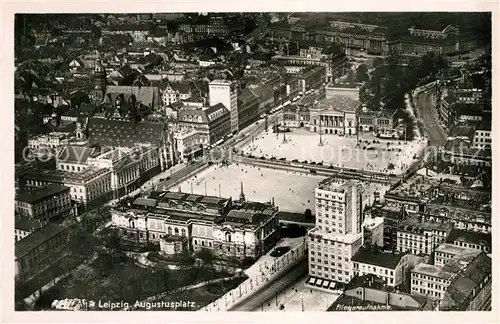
(253, 162)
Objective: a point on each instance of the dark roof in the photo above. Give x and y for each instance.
(375, 257)
(182, 87)
(36, 238)
(41, 193)
(27, 224)
(469, 237)
(124, 133)
(145, 95)
(180, 196)
(75, 153)
(463, 285)
(484, 126)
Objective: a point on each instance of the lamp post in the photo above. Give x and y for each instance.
(320, 134)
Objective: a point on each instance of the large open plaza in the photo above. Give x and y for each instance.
(292, 191)
(373, 154)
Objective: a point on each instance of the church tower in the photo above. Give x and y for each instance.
(99, 80)
(80, 130)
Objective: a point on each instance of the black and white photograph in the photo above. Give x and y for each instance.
(252, 161)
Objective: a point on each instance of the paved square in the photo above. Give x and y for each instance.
(336, 150)
(292, 191)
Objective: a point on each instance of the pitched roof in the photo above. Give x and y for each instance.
(35, 195)
(36, 238)
(340, 103)
(144, 95)
(75, 154)
(123, 132)
(24, 223)
(469, 237)
(463, 286)
(378, 258)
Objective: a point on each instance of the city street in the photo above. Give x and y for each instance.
(428, 114)
(271, 289)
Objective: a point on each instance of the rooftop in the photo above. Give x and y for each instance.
(27, 224)
(373, 256)
(433, 271)
(453, 249)
(469, 237)
(41, 193)
(179, 196)
(414, 225)
(123, 132)
(36, 238)
(415, 187)
(348, 85)
(463, 286)
(337, 184)
(75, 154)
(339, 103)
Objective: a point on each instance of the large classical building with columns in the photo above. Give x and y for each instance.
(336, 115)
(230, 229)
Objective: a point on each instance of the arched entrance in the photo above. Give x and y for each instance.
(336, 132)
(301, 124)
(370, 129)
(350, 131)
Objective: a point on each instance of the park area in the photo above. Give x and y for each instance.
(111, 273)
(292, 191)
(370, 153)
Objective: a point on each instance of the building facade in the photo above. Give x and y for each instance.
(226, 93)
(231, 230)
(391, 267)
(39, 250)
(45, 204)
(335, 116)
(419, 237)
(337, 235)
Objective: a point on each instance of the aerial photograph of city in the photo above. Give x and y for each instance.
(253, 161)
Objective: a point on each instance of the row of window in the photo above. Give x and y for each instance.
(339, 277)
(424, 291)
(428, 278)
(333, 196)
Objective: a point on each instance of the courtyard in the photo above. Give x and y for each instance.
(371, 153)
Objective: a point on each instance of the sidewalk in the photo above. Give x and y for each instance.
(167, 173)
(260, 273)
(298, 298)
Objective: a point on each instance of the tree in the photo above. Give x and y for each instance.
(206, 256)
(362, 73)
(351, 76)
(85, 278)
(81, 243)
(377, 62)
(308, 214)
(162, 278)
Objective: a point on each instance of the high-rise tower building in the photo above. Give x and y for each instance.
(225, 92)
(337, 235)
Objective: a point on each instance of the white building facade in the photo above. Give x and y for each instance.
(337, 235)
